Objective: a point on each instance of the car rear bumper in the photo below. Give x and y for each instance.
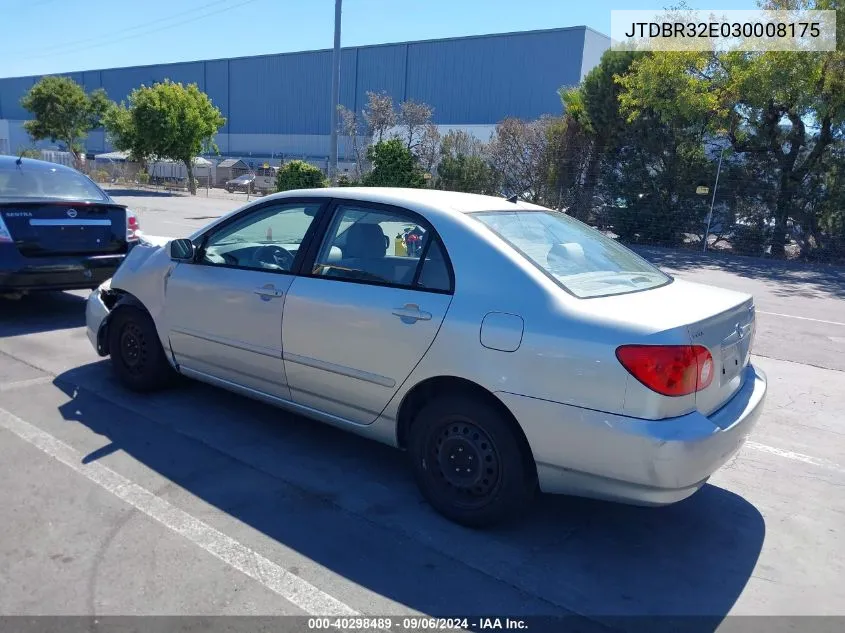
(58, 273)
(644, 462)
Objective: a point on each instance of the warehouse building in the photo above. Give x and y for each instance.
(279, 105)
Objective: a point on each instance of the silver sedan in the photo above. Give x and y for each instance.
(508, 348)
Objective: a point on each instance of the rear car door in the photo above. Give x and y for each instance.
(224, 310)
(358, 322)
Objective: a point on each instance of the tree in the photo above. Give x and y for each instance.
(786, 106)
(463, 165)
(121, 132)
(379, 115)
(167, 120)
(593, 124)
(414, 118)
(298, 174)
(394, 165)
(350, 128)
(63, 112)
(427, 149)
(520, 157)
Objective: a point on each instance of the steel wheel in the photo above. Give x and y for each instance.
(133, 348)
(470, 460)
(464, 462)
(138, 358)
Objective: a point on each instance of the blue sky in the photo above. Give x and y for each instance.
(48, 36)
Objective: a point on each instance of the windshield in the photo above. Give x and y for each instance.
(582, 260)
(56, 183)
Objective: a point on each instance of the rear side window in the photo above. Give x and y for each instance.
(56, 183)
(580, 259)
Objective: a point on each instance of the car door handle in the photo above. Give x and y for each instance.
(268, 291)
(412, 311)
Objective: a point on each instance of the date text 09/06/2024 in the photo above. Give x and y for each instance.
(414, 623)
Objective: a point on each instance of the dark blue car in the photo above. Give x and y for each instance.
(58, 229)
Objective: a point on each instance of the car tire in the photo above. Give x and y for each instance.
(137, 356)
(497, 479)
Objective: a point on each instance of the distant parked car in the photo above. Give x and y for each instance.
(58, 229)
(509, 348)
(245, 183)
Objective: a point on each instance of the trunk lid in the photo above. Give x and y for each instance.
(50, 227)
(722, 320)
(728, 335)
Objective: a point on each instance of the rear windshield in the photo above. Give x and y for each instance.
(55, 183)
(580, 259)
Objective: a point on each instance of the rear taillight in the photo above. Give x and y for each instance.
(132, 226)
(5, 235)
(670, 370)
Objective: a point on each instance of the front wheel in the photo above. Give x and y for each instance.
(469, 462)
(137, 357)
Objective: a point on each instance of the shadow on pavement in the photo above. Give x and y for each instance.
(41, 312)
(145, 193)
(794, 278)
(350, 505)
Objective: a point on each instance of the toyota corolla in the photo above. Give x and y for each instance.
(515, 350)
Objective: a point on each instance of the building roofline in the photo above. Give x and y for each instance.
(320, 50)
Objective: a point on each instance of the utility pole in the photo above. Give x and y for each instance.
(713, 201)
(335, 93)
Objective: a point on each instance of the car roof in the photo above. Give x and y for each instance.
(427, 199)
(10, 162)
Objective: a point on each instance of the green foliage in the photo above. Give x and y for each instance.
(345, 181)
(394, 165)
(471, 174)
(63, 112)
(787, 107)
(29, 152)
(464, 165)
(298, 174)
(167, 120)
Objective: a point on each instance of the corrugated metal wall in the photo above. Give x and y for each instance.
(472, 80)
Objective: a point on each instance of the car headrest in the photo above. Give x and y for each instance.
(365, 240)
(568, 251)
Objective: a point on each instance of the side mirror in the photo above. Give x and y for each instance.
(182, 250)
(386, 242)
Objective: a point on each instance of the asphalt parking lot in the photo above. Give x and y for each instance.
(199, 502)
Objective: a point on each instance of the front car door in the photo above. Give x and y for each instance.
(366, 311)
(224, 310)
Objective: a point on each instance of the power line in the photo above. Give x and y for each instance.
(88, 40)
(112, 42)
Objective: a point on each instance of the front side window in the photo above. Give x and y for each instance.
(54, 183)
(266, 239)
(384, 247)
(582, 260)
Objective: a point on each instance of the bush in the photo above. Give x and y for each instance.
(749, 239)
(29, 152)
(298, 174)
(394, 165)
(143, 178)
(100, 175)
(345, 181)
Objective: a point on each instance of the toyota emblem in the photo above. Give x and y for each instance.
(71, 213)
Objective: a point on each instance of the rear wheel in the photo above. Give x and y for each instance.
(469, 462)
(137, 357)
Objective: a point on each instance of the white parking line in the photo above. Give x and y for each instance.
(23, 384)
(289, 586)
(798, 457)
(792, 316)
